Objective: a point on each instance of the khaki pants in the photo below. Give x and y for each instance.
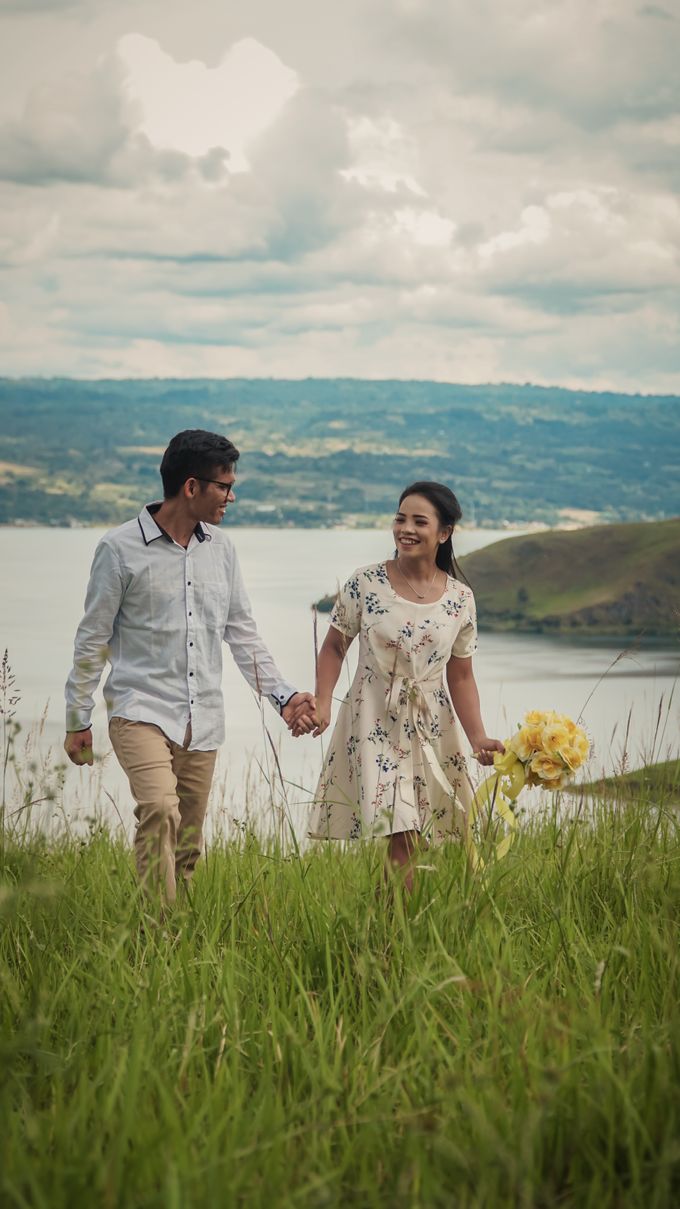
(170, 786)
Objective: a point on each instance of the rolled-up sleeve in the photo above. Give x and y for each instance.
(465, 642)
(93, 636)
(346, 613)
(251, 655)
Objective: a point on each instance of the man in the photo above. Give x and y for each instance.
(165, 589)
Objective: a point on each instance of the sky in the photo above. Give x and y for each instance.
(430, 189)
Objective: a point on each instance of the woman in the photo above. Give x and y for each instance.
(395, 765)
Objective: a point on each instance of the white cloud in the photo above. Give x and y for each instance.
(193, 108)
(81, 128)
(29, 236)
(382, 156)
(425, 227)
(70, 129)
(534, 228)
(418, 189)
(22, 7)
(138, 113)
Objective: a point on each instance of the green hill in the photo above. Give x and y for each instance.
(659, 783)
(610, 579)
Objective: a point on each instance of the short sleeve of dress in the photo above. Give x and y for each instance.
(465, 642)
(346, 614)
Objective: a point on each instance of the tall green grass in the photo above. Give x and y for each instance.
(288, 1038)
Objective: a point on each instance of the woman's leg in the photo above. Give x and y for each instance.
(401, 851)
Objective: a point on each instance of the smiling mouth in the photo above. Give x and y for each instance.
(408, 541)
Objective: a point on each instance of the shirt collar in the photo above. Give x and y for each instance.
(151, 530)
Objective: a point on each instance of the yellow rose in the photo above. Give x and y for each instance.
(519, 746)
(575, 753)
(555, 737)
(548, 768)
(527, 741)
(535, 717)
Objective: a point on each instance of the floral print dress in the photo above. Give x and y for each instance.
(395, 759)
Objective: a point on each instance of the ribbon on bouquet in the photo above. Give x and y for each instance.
(499, 790)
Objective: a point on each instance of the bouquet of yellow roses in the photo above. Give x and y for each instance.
(547, 750)
(549, 747)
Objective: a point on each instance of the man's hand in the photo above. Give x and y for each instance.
(78, 746)
(298, 714)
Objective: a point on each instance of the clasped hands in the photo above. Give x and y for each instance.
(303, 716)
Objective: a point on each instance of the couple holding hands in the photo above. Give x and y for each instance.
(166, 590)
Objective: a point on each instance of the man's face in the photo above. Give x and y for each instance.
(213, 495)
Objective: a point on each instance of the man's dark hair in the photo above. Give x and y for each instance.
(197, 454)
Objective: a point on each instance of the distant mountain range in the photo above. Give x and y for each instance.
(338, 451)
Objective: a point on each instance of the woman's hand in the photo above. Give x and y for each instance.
(322, 717)
(484, 749)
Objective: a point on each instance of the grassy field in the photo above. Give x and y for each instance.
(289, 1039)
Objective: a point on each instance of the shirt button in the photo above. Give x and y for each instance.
(191, 673)
(188, 583)
(190, 612)
(191, 644)
(192, 701)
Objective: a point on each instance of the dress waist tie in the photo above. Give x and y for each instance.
(407, 690)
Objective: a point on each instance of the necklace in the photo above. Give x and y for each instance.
(421, 596)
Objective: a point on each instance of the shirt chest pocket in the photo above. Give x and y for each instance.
(212, 602)
(166, 595)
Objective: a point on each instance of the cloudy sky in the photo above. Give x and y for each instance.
(465, 190)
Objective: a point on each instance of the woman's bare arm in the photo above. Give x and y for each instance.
(328, 667)
(465, 698)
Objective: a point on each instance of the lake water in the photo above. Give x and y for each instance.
(622, 694)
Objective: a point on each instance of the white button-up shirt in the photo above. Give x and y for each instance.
(159, 614)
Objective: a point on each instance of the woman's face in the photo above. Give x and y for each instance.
(417, 529)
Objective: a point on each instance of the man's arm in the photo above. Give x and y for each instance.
(102, 602)
(255, 662)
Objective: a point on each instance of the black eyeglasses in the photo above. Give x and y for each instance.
(225, 486)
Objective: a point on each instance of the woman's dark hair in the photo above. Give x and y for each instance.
(197, 454)
(449, 512)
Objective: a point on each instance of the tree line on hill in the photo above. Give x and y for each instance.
(338, 451)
